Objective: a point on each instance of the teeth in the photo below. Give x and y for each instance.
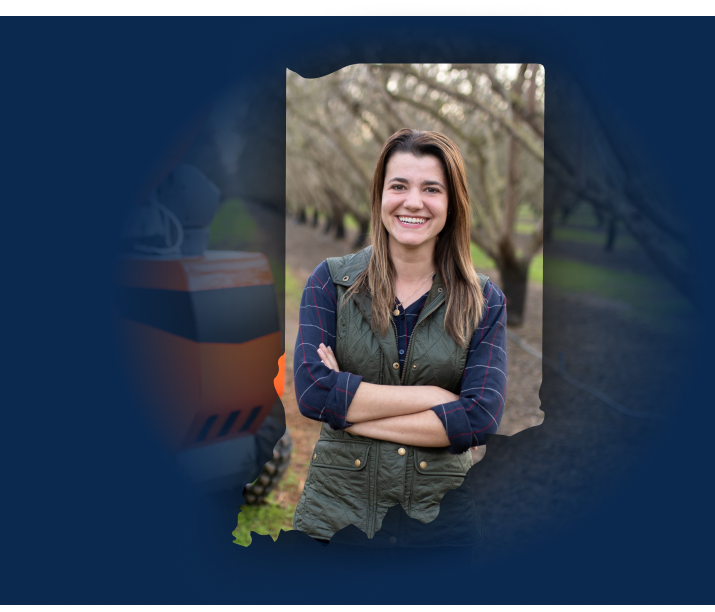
(412, 220)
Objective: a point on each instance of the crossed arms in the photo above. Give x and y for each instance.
(394, 413)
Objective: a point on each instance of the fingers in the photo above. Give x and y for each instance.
(328, 357)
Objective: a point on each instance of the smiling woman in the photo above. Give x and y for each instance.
(401, 410)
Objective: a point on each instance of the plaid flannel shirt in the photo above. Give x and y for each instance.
(325, 395)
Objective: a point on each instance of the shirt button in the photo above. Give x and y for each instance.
(402, 351)
(423, 465)
(401, 451)
(396, 366)
(396, 311)
(357, 462)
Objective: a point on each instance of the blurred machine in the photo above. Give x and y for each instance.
(202, 338)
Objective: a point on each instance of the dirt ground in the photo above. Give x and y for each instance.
(306, 247)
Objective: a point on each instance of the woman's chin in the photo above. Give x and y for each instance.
(411, 240)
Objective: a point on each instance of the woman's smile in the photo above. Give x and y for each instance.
(412, 221)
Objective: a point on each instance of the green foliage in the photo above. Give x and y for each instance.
(231, 226)
(569, 234)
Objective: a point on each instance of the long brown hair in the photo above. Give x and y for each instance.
(452, 257)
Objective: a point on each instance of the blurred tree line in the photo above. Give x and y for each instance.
(336, 126)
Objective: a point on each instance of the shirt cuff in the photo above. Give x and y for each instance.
(456, 424)
(340, 398)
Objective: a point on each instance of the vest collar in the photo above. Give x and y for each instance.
(349, 271)
(353, 266)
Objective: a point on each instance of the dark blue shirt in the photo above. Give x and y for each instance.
(325, 395)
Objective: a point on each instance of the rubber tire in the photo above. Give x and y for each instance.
(256, 492)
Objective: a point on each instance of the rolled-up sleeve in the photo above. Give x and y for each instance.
(322, 393)
(481, 403)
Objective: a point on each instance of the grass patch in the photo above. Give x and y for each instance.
(270, 517)
(536, 269)
(294, 290)
(480, 259)
(651, 298)
(231, 226)
(350, 222)
(569, 234)
(267, 519)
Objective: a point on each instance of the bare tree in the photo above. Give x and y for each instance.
(495, 114)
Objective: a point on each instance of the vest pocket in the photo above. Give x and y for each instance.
(337, 490)
(436, 472)
(440, 462)
(351, 455)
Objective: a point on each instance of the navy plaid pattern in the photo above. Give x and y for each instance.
(325, 395)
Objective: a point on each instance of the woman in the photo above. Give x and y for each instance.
(402, 354)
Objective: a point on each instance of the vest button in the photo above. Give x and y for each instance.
(357, 462)
(345, 278)
(423, 465)
(396, 365)
(401, 451)
(414, 366)
(315, 457)
(393, 540)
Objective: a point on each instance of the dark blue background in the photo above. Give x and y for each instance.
(91, 511)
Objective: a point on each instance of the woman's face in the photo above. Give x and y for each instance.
(414, 200)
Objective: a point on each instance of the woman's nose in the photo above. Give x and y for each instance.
(413, 201)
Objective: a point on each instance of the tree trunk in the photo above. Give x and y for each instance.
(600, 217)
(363, 236)
(315, 218)
(338, 220)
(328, 224)
(612, 229)
(514, 276)
(302, 218)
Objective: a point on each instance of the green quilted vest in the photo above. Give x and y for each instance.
(354, 479)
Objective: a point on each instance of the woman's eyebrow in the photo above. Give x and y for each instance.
(433, 183)
(399, 179)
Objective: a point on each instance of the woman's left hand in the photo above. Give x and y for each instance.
(327, 357)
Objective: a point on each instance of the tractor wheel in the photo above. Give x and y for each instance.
(256, 492)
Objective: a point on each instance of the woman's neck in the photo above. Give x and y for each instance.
(412, 265)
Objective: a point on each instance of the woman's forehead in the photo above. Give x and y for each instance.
(408, 166)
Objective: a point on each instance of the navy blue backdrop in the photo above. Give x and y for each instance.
(91, 509)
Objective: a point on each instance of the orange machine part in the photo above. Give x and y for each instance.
(279, 381)
(199, 393)
(191, 386)
(212, 270)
